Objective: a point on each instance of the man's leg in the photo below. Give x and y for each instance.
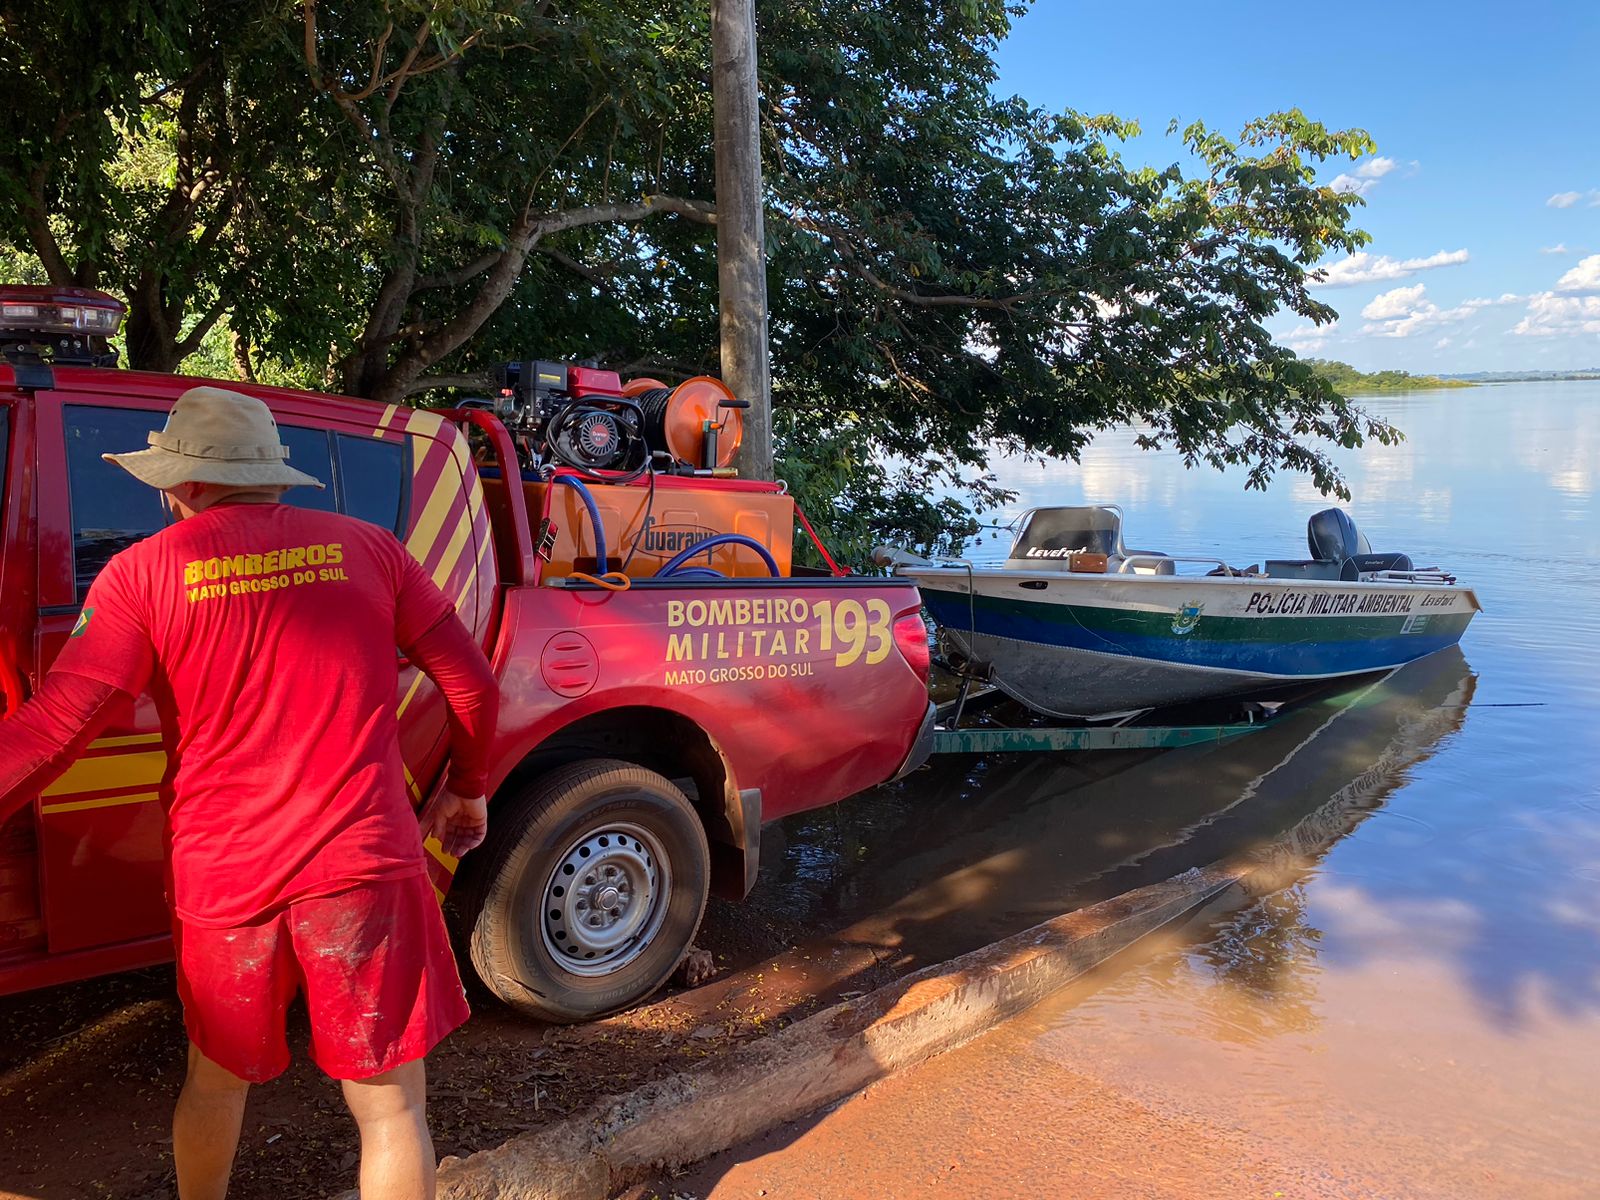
(397, 1160)
(205, 1128)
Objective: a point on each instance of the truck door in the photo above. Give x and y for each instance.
(21, 919)
(100, 824)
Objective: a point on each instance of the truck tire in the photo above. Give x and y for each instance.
(587, 892)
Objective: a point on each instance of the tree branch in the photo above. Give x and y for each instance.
(544, 224)
(458, 276)
(428, 383)
(600, 278)
(191, 341)
(502, 275)
(43, 239)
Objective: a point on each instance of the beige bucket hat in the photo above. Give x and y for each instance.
(215, 436)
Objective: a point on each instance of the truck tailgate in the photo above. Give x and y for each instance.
(801, 682)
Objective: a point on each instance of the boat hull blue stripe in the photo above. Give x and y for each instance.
(1292, 660)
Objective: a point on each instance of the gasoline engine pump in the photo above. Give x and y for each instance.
(586, 419)
(592, 450)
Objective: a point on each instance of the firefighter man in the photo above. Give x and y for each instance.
(266, 635)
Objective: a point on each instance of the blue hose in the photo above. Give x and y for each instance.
(594, 520)
(675, 565)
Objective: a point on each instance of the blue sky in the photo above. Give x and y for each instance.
(1487, 120)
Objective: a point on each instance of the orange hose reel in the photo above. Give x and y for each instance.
(683, 413)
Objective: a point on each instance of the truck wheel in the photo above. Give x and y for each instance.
(587, 893)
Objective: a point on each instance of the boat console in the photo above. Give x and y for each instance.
(1063, 539)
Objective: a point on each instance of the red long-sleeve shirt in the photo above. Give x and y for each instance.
(267, 636)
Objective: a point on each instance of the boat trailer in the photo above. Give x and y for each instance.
(951, 736)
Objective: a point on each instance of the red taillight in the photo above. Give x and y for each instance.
(911, 635)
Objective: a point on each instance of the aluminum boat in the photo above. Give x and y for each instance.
(1075, 624)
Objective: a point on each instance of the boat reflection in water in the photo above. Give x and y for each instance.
(977, 848)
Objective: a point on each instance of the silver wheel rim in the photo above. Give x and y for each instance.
(605, 900)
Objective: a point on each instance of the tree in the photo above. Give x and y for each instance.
(950, 269)
(141, 155)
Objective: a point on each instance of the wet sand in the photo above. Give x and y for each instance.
(1118, 1094)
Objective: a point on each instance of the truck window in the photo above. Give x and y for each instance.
(373, 480)
(309, 451)
(111, 510)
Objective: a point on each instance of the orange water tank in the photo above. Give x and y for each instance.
(646, 533)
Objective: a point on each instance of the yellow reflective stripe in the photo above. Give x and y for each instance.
(134, 739)
(111, 771)
(434, 847)
(383, 421)
(103, 802)
(425, 423)
(411, 695)
(452, 551)
(411, 782)
(472, 576)
(432, 519)
(438, 893)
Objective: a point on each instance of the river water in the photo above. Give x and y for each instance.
(1424, 1001)
(1417, 1011)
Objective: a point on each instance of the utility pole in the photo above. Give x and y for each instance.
(741, 231)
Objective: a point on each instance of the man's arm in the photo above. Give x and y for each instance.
(453, 661)
(459, 817)
(428, 631)
(40, 740)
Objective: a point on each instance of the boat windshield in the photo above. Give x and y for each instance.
(1058, 532)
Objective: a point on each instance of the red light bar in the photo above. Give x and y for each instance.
(54, 310)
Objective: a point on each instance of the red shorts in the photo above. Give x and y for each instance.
(374, 963)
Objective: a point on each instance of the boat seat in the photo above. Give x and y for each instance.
(1383, 562)
(1296, 568)
(1165, 567)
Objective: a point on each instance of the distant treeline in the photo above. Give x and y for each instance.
(1524, 376)
(1347, 380)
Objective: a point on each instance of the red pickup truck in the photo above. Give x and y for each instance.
(645, 734)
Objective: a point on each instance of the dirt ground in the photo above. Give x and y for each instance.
(89, 1072)
(851, 897)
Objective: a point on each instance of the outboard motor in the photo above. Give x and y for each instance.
(1333, 537)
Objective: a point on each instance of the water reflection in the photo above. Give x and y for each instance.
(974, 849)
(1265, 952)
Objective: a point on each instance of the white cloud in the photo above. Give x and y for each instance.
(1585, 277)
(1550, 315)
(1395, 303)
(1568, 199)
(1307, 339)
(1362, 267)
(1441, 343)
(1558, 248)
(1365, 178)
(1403, 312)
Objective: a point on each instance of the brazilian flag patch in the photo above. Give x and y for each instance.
(82, 627)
